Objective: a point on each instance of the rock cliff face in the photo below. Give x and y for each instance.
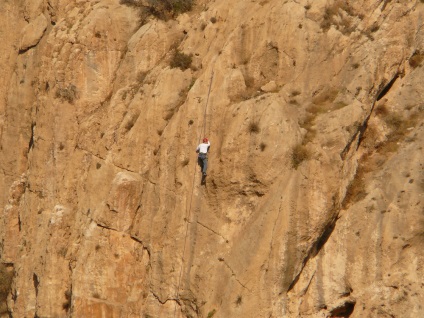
(313, 204)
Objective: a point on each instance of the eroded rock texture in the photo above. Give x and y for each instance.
(313, 204)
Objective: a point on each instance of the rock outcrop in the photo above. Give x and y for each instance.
(313, 203)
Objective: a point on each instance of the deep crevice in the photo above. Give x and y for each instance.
(31, 140)
(362, 128)
(36, 282)
(22, 51)
(316, 247)
(344, 310)
(106, 227)
(387, 88)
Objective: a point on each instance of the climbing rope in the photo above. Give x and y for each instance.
(206, 107)
(187, 219)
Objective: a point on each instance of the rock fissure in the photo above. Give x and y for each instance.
(106, 227)
(386, 88)
(146, 248)
(360, 131)
(305, 290)
(208, 228)
(317, 245)
(31, 139)
(23, 51)
(233, 274)
(163, 302)
(273, 233)
(104, 159)
(91, 153)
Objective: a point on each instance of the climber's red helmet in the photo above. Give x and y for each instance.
(205, 139)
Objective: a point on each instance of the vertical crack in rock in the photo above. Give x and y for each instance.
(328, 230)
(318, 245)
(31, 139)
(36, 283)
(362, 128)
(7, 272)
(68, 299)
(308, 285)
(387, 87)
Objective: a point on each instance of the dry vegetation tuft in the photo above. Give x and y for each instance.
(181, 60)
(254, 127)
(161, 9)
(377, 154)
(6, 277)
(299, 154)
(68, 94)
(340, 15)
(211, 313)
(416, 59)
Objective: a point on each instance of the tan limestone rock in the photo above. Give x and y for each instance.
(269, 87)
(33, 32)
(312, 203)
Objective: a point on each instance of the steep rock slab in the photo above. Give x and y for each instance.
(104, 119)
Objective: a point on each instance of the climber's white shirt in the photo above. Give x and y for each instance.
(203, 148)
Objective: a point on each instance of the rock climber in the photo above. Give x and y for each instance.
(202, 150)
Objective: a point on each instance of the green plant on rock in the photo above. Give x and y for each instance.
(211, 313)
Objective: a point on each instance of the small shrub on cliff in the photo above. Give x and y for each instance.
(211, 313)
(239, 300)
(338, 14)
(299, 154)
(67, 304)
(254, 127)
(67, 93)
(6, 277)
(416, 59)
(181, 60)
(161, 9)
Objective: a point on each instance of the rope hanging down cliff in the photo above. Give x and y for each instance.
(187, 219)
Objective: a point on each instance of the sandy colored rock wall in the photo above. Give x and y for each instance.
(312, 206)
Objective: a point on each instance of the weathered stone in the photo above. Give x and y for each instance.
(33, 32)
(313, 202)
(269, 87)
